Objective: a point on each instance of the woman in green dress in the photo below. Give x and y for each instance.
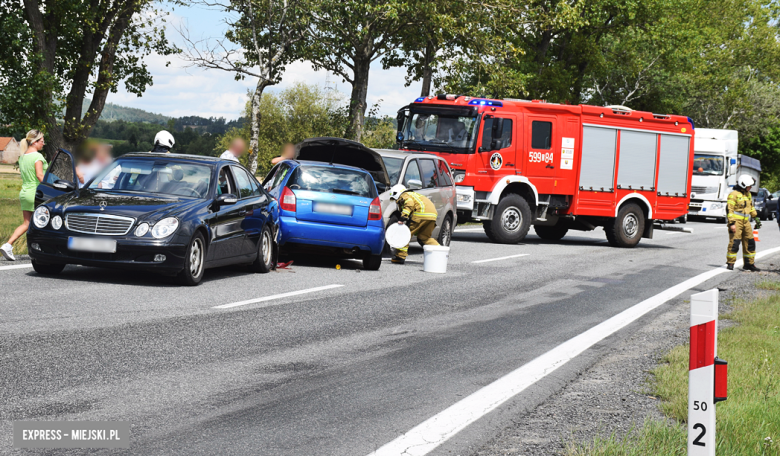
(32, 166)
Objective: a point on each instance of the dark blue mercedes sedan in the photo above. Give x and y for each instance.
(173, 214)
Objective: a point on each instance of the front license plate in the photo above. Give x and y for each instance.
(92, 245)
(338, 209)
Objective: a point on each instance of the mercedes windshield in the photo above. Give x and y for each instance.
(441, 131)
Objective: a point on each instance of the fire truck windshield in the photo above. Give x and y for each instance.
(707, 165)
(441, 132)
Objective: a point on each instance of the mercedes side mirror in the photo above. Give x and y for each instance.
(414, 184)
(226, 199)
(60, 184)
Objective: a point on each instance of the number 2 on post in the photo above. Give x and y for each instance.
(703, 431)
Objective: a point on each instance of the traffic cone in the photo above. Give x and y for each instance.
(755, 236)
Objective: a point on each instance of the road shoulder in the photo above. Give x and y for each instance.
(612, 396)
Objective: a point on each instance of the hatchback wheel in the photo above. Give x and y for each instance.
(194, 260)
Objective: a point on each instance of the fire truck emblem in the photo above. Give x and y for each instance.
(496, 160)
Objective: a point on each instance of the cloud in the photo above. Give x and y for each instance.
(179, 90)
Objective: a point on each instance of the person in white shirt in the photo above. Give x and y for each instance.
(237, 149)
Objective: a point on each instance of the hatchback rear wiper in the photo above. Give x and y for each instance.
(346, 192)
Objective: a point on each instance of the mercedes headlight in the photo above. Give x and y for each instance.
(41, 217)
(142, 229)
(165, 227)
(56, 222)
(459, 176)
(716, 206)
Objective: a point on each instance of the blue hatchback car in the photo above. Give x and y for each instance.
(330, 208)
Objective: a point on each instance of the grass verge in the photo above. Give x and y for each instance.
(748, 423)
(10, 211)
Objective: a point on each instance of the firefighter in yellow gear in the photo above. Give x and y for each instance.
(739, 209)
(419, 212)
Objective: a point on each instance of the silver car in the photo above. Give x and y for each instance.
(428, 175)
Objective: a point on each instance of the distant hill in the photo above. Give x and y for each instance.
(112, 112)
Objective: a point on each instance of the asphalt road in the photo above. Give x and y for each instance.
(340, 371)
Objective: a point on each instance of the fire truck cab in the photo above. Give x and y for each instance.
(558, 167)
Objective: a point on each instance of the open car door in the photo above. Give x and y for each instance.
(60, 178)
(341, 151)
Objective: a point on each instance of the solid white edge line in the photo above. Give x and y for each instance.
(468, 230)
(501, 258)
(277, 296)
(436, 430)
(16, 266)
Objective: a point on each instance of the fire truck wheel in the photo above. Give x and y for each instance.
(511, 220)
(627, 228)
(551, 233)
(488, 230)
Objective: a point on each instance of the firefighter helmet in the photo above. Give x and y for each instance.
(746, 181)
(396, 190)
(165, 139)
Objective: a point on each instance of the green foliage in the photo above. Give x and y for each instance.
(299, 112)
(56, 52)
(138, 137)
(112, 112)
(347, 35)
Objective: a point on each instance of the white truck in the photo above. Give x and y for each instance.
(716, 166)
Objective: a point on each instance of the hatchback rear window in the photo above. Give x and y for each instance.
(333, 180)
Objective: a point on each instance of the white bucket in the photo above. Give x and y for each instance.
(435, 258)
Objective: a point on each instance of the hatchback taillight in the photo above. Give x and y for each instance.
(375, 210)
(288, 200)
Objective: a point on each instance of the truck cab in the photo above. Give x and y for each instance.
(716, 166)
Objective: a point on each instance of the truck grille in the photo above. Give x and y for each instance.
(703, 189)
(102, 224)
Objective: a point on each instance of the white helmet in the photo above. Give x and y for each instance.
(396, 190)
(165, 139)
(746, 181)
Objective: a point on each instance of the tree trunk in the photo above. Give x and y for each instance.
(254, 139)
(357, 100)
(430, 53)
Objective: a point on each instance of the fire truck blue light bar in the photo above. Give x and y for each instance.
(479, 102)
(419, 100)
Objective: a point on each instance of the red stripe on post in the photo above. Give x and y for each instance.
(702, 345)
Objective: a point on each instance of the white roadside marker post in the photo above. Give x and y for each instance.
(706, 374)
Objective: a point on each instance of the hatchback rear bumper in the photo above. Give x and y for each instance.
(367, 238)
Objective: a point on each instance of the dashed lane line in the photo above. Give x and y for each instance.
(428, 435)
(277, 296)
(16, 266)
(500, 258)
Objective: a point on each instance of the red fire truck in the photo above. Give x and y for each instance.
(558, 167)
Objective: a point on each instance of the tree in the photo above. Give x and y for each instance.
(259, 44)
(346, 36)
(62, 50)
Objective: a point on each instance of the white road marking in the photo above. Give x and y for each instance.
(501, 258)
(278, 296)
(436, 430)
(16, 266)
(468, 230)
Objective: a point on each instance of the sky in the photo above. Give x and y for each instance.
(179, 90)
